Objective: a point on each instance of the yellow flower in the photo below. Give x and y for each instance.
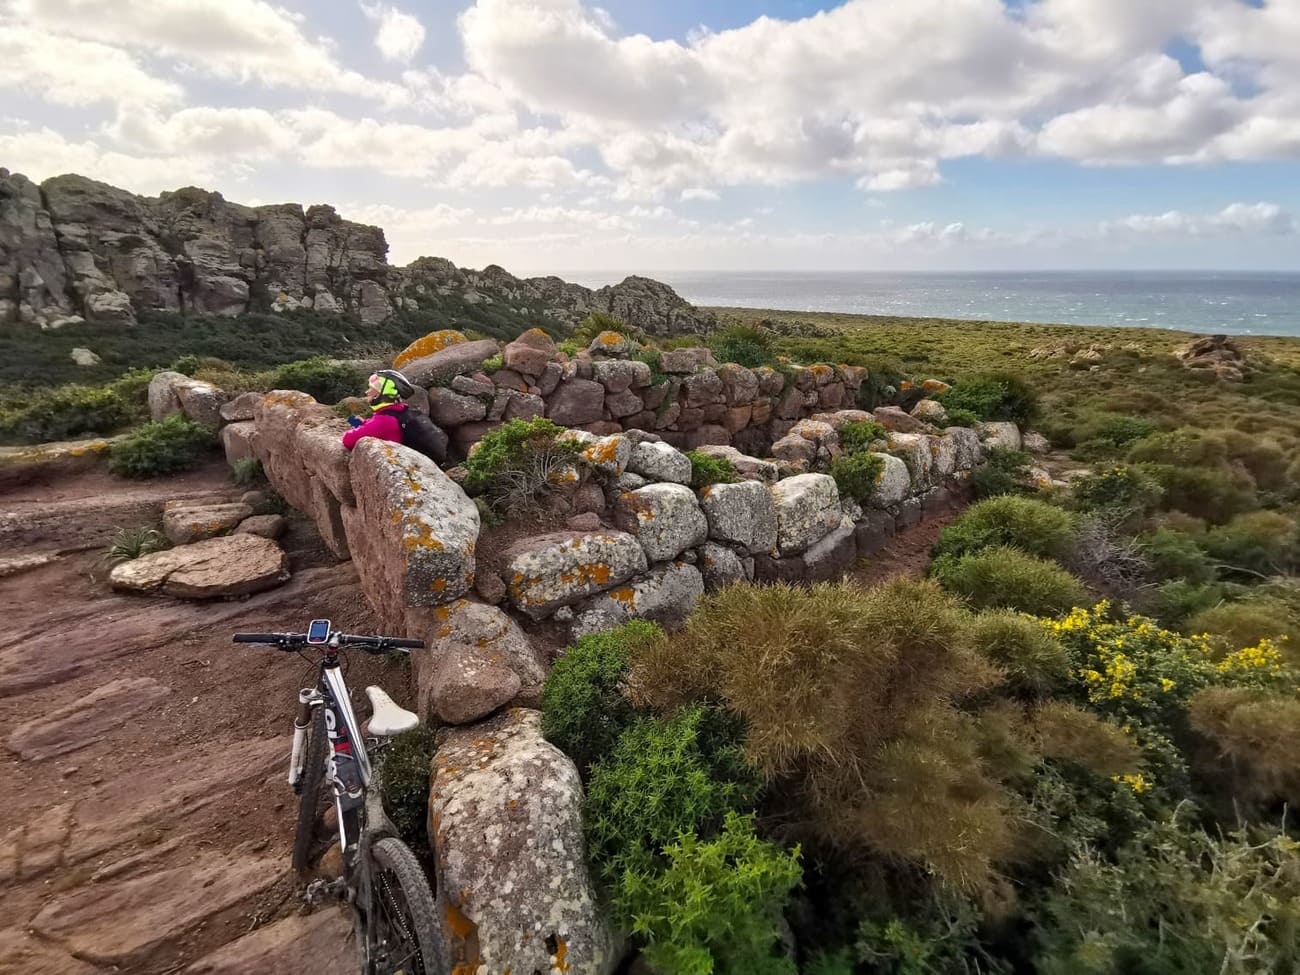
(1167, 685)
(1137, 783)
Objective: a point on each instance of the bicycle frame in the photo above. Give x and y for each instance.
(349, 770)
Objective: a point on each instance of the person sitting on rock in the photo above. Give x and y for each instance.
(393, 420)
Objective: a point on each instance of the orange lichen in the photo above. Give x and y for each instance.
(559, 960)
(428, 345)
(438, 585)
(610, 339)
(625, 595)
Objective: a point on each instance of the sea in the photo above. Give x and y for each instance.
(1233, 303)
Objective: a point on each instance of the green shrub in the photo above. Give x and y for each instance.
(1031, 656)
(1246, 622)
(583, 707)
(131, 543)
(1174, 902)
(662, 779)
(1176, 555)
(518, 464)
(1202, 492)
(325, 380)
(247, 471)
(1028, 524)
(999, 577)
(1180, 448)
(1258, 543)
(858, 436)
(1116, 430)
(1265, 460)
(494, 364)
(716, 906)
(1117, 493)
(1005, 472)
(743, 345)
(404, 784)
(171, 444)
(706, 470)
(597, 322)
(66, 412)
(994, 397)
(1256, 730)
(959, 417)
(1176, 600)
(858, 475)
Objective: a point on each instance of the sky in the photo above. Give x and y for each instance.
(561, 136)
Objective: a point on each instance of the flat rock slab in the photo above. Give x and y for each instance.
(87, 720)
(15, 564)
(314, 944)
(186, 522)
(116, 923)
(233, 565)
(28, 954)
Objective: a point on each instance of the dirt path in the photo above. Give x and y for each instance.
(144, 754)
(906, 555)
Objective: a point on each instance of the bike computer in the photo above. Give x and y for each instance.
(319, 631)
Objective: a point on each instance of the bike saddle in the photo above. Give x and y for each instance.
(388, 719)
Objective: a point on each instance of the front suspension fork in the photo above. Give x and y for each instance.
(308, 701)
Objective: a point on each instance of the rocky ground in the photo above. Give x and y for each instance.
(149, 822)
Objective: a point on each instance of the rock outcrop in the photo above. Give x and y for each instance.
(75, 249)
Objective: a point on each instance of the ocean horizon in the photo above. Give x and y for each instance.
(1226, 302)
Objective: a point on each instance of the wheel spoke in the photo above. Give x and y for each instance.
(395, 927)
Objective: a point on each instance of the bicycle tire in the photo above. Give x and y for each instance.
(399, 878)
(309, 797)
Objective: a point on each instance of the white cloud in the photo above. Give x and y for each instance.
(1237, 219)
(399, 36)
(42, 153)
(237, 40)
(68, 71)
(699, 193)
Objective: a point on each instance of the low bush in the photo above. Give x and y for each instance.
(1256, 730)
(325, 380)
(1176, 901)
(1002, 577)
(742, 344)
(517, 465)
(1033, 659)
(1176, 555)
(717, 904)
(583, 707)
(994, 397)
(131, 543)
(858, 475)
(67, 412)
(597, 322)
(1066, 732)
(1120, 494)
(706, 470)
(493, 364)
(1180, 448)
(858, 436)
(162, 447)
(1115, 430)
(1257, 543)
(404, 784)
(1028, 524)
(1005, 472)
(1202, 492)
(1174, 601)
(247, 471)
(1246, 622)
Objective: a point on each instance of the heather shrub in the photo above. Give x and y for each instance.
(717, 904)
(1174, 601)
(167, 445)
(1004, 472)
(1176, 555)
(247, 471)
(517, 465)
(67, 412)
(1176, 901)
(1028, 524)
(958, 417)
(1004, 577)
(994, 397)
(1264, 458)
(1032, 658)
(1062, 731)
(1257, 543)
(1246, 622)
(1256, 731)
(707, 469)
(858, 436)
(325, 380)
(857, 475)
(1119, 494)
(583, 707)
(1181, 448)
(1209, 493)
(597, 322)
(742, 344)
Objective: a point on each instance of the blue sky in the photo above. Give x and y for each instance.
(558, 134)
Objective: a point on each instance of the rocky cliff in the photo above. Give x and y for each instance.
(73, 249)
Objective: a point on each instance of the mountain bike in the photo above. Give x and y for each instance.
(394, 917)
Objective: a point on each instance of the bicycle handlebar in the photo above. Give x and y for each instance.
(337, 641)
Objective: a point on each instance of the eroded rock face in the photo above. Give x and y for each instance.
(807, 509)
(184, 523)
(412, 532)
(232, 565)
(505, 823)
(546, 572)
(660, 462)
(1000, 435)
(742, 514)
(719, 566)
(893, 483)
(457, 359)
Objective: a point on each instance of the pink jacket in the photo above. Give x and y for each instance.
(382, 426)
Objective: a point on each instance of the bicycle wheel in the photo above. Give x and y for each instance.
(405, 935)
(309, 797)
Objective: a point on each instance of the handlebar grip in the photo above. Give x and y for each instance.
(409, 644)
(257, 637)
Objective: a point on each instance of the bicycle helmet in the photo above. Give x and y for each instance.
(388, 386)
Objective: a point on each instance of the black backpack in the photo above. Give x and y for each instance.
(422, 435)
